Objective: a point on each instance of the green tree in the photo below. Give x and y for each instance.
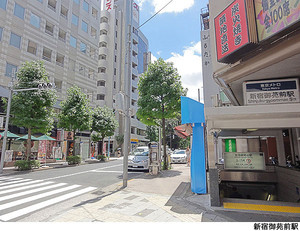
(159, 96)
(33, 109)
(104, 124)
(75, 112)
(152, 133)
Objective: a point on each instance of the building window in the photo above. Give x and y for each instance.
(15, 40)
(102, 44)
(32, 47)
(3, 4)
(63, 12)
(47, 54)
(103, 19)
(86, 6)
(102, 57)
(62, 35)
(101, 83)
(84, 26)
(81, 69)
(100, 97)
(19, 11)
(116, 46)
(60, 59)
(41, 1)
(115, 58)
(116, 22)
(76, 1)
(35, 20)
(115, 71)
(72, 64)
(49, 28)
(94, 13)
(93, 32)
(132, 130)
(103, 31)
(83, 47)
(58, 85)
(75, 19)
(9, 69)
(115, 85)
(91, 74)
(52, 4)
(73, 41)
(1, 31)
(101, 70)
(92, 52)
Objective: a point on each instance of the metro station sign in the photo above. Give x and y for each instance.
(235, 31)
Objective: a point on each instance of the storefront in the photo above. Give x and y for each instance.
(253, 145)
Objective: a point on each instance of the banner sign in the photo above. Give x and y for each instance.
(135, 12)
(271, 91)
(244, 160)
(8, 155)
(273, 16)
(231, 29)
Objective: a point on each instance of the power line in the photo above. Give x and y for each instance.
(155, 14)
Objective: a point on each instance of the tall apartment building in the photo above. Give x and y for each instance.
(115, 73)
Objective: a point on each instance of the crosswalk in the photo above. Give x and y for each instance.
(19, 197)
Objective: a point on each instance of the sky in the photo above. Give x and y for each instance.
(174, 35)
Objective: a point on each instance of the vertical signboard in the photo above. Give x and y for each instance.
(135, 11)
(230, 145)
(273, 16)
(205, 45)
(108, 5)
(235, 29)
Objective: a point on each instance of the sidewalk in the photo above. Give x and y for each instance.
(162, 198)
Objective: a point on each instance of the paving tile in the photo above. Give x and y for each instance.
(131, 197)
(144, 212)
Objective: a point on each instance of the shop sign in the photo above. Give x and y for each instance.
(135, 12)
(205, 48)
(69, 135)
(231, 30)
(244, 160)
(273, 16)
(108, 4)
(8, 155)
(134, 141)
(271, 92)
(230, 145)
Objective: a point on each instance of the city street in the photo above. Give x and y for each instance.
(34, 196)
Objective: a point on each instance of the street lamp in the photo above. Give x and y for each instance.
(41, 86)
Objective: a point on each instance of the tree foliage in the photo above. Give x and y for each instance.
(33, 109)
(75, 112)
(152, 133)
(160, 89)
(104, 124)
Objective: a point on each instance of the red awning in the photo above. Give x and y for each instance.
(183, 131)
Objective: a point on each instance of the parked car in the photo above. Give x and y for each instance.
(179, 156)
(138, 159)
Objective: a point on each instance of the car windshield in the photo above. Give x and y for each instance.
(179, 152)
(140, 152)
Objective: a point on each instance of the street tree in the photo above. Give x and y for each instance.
(104, 124)
(152, 133)
(33, 109)
(75, 112)
(160, 89)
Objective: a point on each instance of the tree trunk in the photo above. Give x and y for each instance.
(164, 144)
(74, 143)
(102, 144)
(28, 147)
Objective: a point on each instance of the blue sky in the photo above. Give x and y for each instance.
(174, 35)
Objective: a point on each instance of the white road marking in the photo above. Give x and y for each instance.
(78, 173)
(26, 187)
(32, 198)
(32, 208)
(18, 185)
(13, 181)
(30, 191)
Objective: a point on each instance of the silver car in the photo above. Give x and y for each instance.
(179, 156)
(139, 159)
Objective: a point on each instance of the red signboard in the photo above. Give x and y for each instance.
(231, 29)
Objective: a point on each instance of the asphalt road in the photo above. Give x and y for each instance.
(39, 195)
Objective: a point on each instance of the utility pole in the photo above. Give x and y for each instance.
(127, 110)
(7, 120)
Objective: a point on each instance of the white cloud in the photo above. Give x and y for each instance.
(189, 66)
(176, 6)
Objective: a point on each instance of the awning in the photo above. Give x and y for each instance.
(183, 131)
